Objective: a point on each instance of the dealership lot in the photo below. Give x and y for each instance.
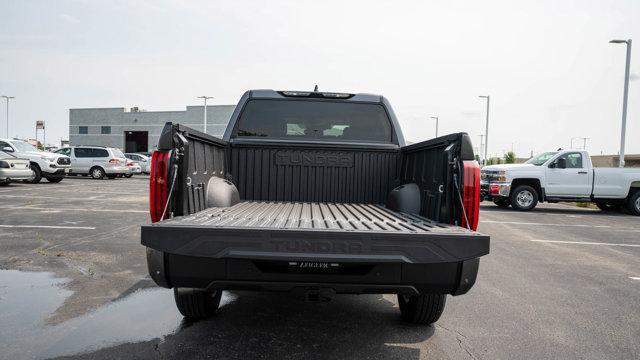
(559, 282)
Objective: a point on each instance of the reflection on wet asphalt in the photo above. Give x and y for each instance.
(145, 324)
(27, 299)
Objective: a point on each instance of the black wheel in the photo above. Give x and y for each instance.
(421, 309)
(37, 174)
(54, 179)
(4, 182)
(606, 206)
(128, 175)
(502, 202)
(633, 204)
(196, 303)
(96, 172)
(524, 198)
(111, 177)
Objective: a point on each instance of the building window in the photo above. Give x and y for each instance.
(83, 130)
(106, 130)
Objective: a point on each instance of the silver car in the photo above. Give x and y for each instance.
(97, 161)
(142, 160)
(13, 168)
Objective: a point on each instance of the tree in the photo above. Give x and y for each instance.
(509, 157)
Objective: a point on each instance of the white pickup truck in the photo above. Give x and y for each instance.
(566, 175)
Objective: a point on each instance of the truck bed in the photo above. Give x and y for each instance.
(314, 231)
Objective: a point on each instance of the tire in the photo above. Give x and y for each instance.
(96, 172)
(54, 180)
(524, 198)
(633, 204)
(128, 175)
(502, 202)
(421, 309)
(605, 206)
(111, 177)
(37, 174)
(196, 303)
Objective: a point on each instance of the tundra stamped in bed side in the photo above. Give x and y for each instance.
(314, 193)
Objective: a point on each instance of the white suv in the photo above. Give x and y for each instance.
(44, 164)
(97, 161)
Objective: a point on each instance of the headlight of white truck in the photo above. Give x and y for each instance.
(494, 175)
(48, 158)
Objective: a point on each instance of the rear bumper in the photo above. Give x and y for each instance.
(117, 170)
(261, 260)
(15, 174)
(169, 270)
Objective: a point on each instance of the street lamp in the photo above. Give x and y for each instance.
(481, 136)
(624, 99)
(8, 98)
(436, 118)
(205, 110)
(486, 132)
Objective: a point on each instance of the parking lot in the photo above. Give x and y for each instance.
(560, 282)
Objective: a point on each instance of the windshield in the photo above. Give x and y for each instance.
(541, 159)
(314, 120)
(23, 146)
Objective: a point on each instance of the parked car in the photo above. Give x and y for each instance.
(142, 160)
(96, 161)
(13, 168)
(44, 164)
(314, 193)
(555, 176)
(134, 168)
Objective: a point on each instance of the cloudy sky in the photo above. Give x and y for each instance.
(548, 66)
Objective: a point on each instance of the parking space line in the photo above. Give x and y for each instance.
(48, 227)
(584, 243)
(70, 209)
(634, 277)
(541, 224)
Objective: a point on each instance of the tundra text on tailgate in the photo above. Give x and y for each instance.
(316, 194)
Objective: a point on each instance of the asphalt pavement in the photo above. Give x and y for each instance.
(560, 282)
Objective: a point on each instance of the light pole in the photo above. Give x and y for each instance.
(436, 118)
(584, 143)
(486, 132)
(624, 99)
(205, 110)
(481, 136)
(8, 98)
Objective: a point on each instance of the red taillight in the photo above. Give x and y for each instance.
(113, 161)
(131, 164)
(158, 184)
(471, 194)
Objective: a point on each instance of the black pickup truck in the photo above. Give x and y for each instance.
(314, 193)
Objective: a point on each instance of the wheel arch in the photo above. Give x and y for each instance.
(533, 182)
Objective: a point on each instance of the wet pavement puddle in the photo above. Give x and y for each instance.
(27, 299)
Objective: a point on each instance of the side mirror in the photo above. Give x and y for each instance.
(7, 149)
(562, 163)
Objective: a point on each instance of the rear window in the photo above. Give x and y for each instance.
(314, 120)
(117, 153)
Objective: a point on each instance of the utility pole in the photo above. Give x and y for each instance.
(205, 110)
(625, 96)
(436, 118)
(486, 132)
(8, 98)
